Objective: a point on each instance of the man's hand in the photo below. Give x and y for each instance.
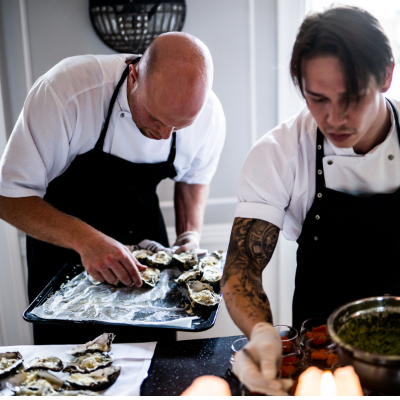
(257, 365)
(105, 259)
(187, 241)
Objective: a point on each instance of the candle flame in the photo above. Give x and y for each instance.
(328, 387)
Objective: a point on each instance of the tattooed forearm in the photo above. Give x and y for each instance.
(251, 247)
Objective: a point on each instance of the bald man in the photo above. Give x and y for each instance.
(96, 136)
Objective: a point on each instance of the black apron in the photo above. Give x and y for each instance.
(118, 198)
(348, 247)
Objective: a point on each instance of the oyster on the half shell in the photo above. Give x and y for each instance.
(150, 276)
(202, 294)
(36, 381)
(188, 275)
(218, 254)
(143, 256)
(89, 362)
(210, 261)
(187, 259)
(9, 362)
(48, 363)
(101, 344)
(97, 380)
(211, 275)
(160, 259)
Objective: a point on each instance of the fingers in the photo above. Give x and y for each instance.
(250, 375)
(129, 272)
(181, 249)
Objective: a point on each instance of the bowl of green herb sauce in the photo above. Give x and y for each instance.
(367, 333)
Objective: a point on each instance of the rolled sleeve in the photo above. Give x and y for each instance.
(265, 183)
(38, 147)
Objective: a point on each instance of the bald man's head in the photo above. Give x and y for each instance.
(170, 83)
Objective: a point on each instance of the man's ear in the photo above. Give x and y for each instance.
(133, 75)
(387, 79)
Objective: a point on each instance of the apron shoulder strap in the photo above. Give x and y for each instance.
(100, 142)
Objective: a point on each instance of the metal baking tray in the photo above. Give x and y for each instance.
(206, 319)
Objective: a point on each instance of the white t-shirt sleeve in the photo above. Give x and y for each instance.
(211, 126)
(38, 148)
(265, 183)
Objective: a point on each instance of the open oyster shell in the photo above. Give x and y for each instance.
(210, 261)
(97, 380)
(9, 362)
(202, 294)
(48, 363)
(36, 382)
(101, 344)
(150, 276)
(187, 259)
(143, 256)
(89, 362)
(211, 275)
(160, 259)
(218, 254)
(188, 275)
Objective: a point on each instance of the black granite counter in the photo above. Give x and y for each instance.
(176, 364)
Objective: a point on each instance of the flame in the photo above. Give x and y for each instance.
(328, 387)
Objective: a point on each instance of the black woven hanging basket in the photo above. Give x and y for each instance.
(129, 26)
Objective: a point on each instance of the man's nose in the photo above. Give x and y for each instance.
(336, 114)
(166, 131)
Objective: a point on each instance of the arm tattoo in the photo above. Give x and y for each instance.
(251, 247)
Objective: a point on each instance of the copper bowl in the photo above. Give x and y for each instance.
(378, 373)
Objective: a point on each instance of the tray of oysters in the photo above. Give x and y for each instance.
(88, 370)
(175, 287)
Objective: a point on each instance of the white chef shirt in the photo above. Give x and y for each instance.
(277, 181)
(63, 115)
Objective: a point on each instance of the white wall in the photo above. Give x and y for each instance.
(241, 35)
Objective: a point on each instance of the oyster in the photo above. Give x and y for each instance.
(160, 259)
(102, 344)
(35, 382)
(89, 362)
(218, 254)
(202, 294)
(9, 362)
(187, 259)
(143, 256)
(211, 275)
(210, 261)
(150, 276)
(188, 275)
(51, 363)
(97, 380)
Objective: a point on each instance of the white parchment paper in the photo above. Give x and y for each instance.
(133, 358)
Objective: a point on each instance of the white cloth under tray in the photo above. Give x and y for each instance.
(133, 358)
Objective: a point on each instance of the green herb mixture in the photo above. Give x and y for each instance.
(374, 333)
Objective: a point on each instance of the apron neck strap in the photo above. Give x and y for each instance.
(100, 142)
(172, 153)
(396, 119)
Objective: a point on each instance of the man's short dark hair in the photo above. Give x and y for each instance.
(352, 35)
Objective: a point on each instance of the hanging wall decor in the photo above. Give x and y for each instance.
(129, 26)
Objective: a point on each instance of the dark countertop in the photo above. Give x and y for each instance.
(176, 364)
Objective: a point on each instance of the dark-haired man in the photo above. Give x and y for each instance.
(329, 178)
